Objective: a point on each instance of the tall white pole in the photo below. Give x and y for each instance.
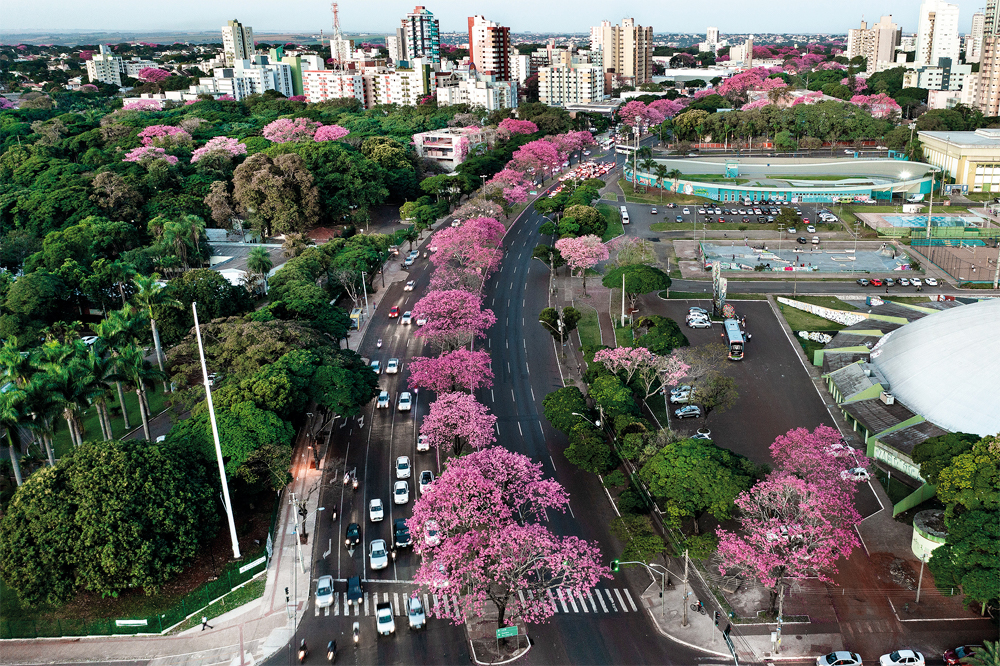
(364, 285)
(215, 436)
(623, 300)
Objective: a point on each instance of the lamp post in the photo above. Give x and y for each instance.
(652, 572)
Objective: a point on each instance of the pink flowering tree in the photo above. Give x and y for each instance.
(756, 104)
(88, 88)
(330, 133)
(488, 510)
(142, 105)
(456, 420)
(225, 98)
(164, 136)
(582, 253)
(510, 185)
(146, 154)
(633, 113)
(649, 371)
(508, 127)
(860, 85)
(454, 317)
(6, 104)
(536, 157)
(222, 144)
(297, 98)
(809, 98)
(456, 370)
(668, 107)
(479, 208)
(285, 130)
(880, 105)
(153, 74)
(467, 254)
(817, 456)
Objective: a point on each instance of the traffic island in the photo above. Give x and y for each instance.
(492, 646)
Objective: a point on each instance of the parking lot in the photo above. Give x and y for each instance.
(642, 217)
(776, 393)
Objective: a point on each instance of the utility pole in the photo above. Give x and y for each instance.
(623, 300)
(920, 580)
(781, 599)
(684, 604)
(364, 286)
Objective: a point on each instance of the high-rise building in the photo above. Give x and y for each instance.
(489, 48)
(712, 35)
(421, 38)
(568, 83)
(742, 53)
(974, 42)
(596, 38)
(105, 67)
(237, 42)
(628, 51)
(396, 45)
(876, 44)
(937, 32)
(989, 63)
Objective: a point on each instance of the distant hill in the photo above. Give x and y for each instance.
(74, 37)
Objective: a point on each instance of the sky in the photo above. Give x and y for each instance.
(382, 16)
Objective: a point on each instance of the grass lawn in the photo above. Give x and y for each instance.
(826, 301)
(624, 336)
(589, 327)
(157, 403)
(614, 218)
(800, 320)
(235, 599)
(654, 197)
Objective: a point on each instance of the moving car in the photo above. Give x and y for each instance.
(324, 592)
(930, 282)
(401, 492)
(415, 612)
(902, 658)
(410, 284)
(377, 367)
(426, 479)
(840, 658)
(375, 510)
(383, 619)
(353, 535)
(421, 321)
(402, 467)
(402, 533)
(355, 590)
(689, 411)
(405, 401)
(423, 444)
(407, 318)
(855, 474)
(392, 367)
(952, 657)
(383, 400)
(394, 311)
(802, 240)
(652, 211)
(378, 554)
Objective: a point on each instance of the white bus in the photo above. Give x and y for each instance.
(625, 149)
(624, 215)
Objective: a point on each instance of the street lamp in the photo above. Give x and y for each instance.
(616, 564)
(596, 424)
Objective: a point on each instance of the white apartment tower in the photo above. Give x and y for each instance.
(595, 35)
(237, 42)
(974, 43)
(876, 44)
(489, 48)
(989, 63)
(420, 35)
(937, 32)
(712, 35)
(105, 67)
(628, 51)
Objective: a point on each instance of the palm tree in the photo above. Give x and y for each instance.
(661, 175)
(101, 377)
(258, 263)
(13, 410)
(120, 328)
(295, 244)
(140, 373)
(153, 292)
(66, 377)
(674, 175)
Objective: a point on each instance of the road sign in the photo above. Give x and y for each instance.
(506, 632)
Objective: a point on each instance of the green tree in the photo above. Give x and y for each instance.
(215, 296)
(936, 453)
(277, 195)
(152, 292)
(642, 543)
(259, 264)
(589, 450)
(612, 395)
(639, 279)
(659, 334)
(989, 655)
(716, 393)
(560, 405)
(33, 302)
(560, 324)
(13, 411)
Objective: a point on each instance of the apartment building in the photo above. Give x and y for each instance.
(105, 67)
(974, 40)
(937, 32)
(943, 76)
(568, 83)
(476, 91)
(237, 42)
(489, 48)
(628, 51)
(876, 44)
(324, 85)
(248, 77)
(450, 146)
(989, 63)
(420, 36)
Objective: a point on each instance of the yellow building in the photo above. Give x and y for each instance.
(969, 159)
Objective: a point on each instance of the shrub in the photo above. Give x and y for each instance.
(615, 479)
(633, 501)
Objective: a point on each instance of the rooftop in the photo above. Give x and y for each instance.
(981, 138)
(876, 415)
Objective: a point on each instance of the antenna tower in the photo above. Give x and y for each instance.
(337, 40)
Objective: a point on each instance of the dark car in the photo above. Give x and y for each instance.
(955, 656)
(802, 240)
(353, 536)
(746, 219)
(355, 590)
(862, 281)
(761, 219)
(671, 205)
(402, 533)
(679, 218)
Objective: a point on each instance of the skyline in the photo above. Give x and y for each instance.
(780, 16)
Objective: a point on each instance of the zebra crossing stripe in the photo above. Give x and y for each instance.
(562, 602)
(582, 601)
(632, 603)
(385, 597)
(316, 611)
(426, 605)
(552, 601)
(520, 595)
(366, 604)
(611, 599)
(600, 599)
(435, 598)
(357, 609)
(395, 603)
(572, 601)
(336, 603)
(591, 597)
(621, 601)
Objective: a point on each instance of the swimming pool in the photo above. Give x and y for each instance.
(921, 220)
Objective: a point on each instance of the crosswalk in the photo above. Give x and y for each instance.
(598, 600)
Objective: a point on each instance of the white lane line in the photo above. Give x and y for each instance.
(336, 604)
(527, 367)
(519, 429)
(620, 600)
(631, 603)
(508, 369)
(395, 603)
(522, 339)
(572, 601)
(426, 605)
(512, 395)
(591, 597)
(553, 462)
(508, 302)
(532, 394)
(571, 510)
(523, 302)
(508, 343)
(512, 283)
(583, 602)
(493, 397)
(562, 601)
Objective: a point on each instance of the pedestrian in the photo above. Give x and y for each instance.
(205, 624)
(887, 289)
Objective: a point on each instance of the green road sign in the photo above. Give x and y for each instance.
(506, 632)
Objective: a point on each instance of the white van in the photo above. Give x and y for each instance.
(624, 217)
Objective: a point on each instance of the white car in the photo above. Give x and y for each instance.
(423, 444)
(376, 512)
(402, 467)
(687, 211)
(810, 228)
(401, 492)
(383, 619)
(324, 592)
(89, 340)
(930, 282)
(840, 658)
(693, 309)
(699, 323)
(378, 554)
(855, 474)
(426, 479)
(838, 450)
(903, 282)
(377, 367)
(383, 400)
(680, 389)
(392, 367)
(456, 223)
(680, 398)
(405, 401)
(407, 318)
(410, 284)
(917, 283)
(421, 321)
(902, 658)
(415, 611)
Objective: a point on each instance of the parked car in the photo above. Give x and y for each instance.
(855, 474)
(917, 283)
(402, 467)
(376, 512)
(889, 282)
(955, 656)
(392, 367)
(840, 658)
(875, 282)
(790, 230)
(903, 282)
(802, 240)
(680, 398)
(426, 479)
(902, 658)
(415, 613)
(930, 282)
(687, 211)
(700, 323)
(378, 554)
(410, 284)
(680, 389)
(383, 619)
(383, 400)
(679, 218)
(815, 240)
(355, 590)
(401, 492)
(394, 311)
(324, 592)
(689, 411)
(862, 281)
(810, 228)
(405, 401)
(407, 318)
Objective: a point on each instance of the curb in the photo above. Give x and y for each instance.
(684, 643)
(475, 659)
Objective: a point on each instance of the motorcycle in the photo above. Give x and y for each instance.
(357, 633)
(331, 651)
(303, 651)
(347, 478)
(393, 552)
(355, 483)
(333, 516)
(379, 343)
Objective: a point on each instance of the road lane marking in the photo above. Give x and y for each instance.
(512, 395)
(519, 429)
(570, 510)
(562, 602)
(631, 603)
(493, 396)
(508, 367)
(553, 462)
(582, 601)
(552, 600)
(601, 599)
(366, 604)
(612, 600)
(620, 600)
(532, 393)
(572, 601)
(591, 597)
(336, 604)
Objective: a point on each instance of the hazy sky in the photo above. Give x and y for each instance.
(358, 16)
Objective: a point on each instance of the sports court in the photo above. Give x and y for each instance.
(828, 257)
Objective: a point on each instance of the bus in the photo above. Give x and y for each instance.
(624, 215)
(734, 339)
(625, 149)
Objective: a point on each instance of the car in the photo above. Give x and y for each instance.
(401, 533)
(378, 554)
(952, 657)
(722, 220)
(903, 282)
(384, 623)
(405, 401)
(862, 281)
(761, 219)
(790, 230)
(746, 219)
(407, 318)
(456, 223)
(426, 479)
(855, 474)
(838, 449)
(586, 152)
(383, 400)
(840, 658)
(680, 398)
(394, 250)
(671, 205)
(679, 218)
(702, 435)
(376, 367)
(770, 219)
(324, 592)
(408, 261)
(757, 211)
(875, 282)
(718, 211)
(802, 240)
(413, 254)
(902, 658)
(401, 492)
(355, 590)
(410, 284)
(695, 317)
(930, 282)
(89, 340)
(815, 240)
(352, 537)
(394, 311)
(687, 211)
(680, 389)
(700, 323)
(376, 512)
(402, 467)
(917, 283)
(652, 211)
(805, 220)
(688, 411)
(423, 444)
(432, 537)
(701, 211)
(889, 282)
(415, 613)
(695, 308)
(810, 228)
(421, 321)
(742, 211)
(392, 367)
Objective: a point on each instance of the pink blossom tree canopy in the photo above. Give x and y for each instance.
(487, 508)
(147, 154)
(454, 317)
(512, 185)
(467, 254)
(142, 105)
(164, 136)
(880, 105)
(456, 419)
(297, 98)
(331, 133)
(510, 126)
(222, 144)
(284, 130)
(153, 74)
(453, 371)
(582, 253)
(88, 88)
(650, 371)
(536, 157)
(668, 107)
